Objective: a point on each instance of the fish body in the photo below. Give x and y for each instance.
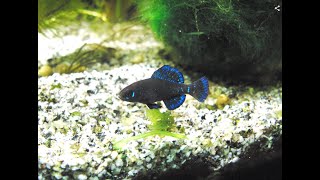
(166, 84)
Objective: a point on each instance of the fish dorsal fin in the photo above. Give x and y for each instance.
(174, 102)
(168, 73)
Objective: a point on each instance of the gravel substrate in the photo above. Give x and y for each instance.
(79, 116)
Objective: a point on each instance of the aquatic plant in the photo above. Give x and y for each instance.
(52, 13)
(233, 40)
(160, 121)
(85, 56)
(161, 125)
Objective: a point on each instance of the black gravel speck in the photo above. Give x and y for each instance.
(120, 80)
(57, 117)
(90, 92)
(101, 106)
(75, 137)
(117, 131)
(86, 82)
(101, 136)
(110, 146)
(47, 135)
(78, 79)
(117, 112)
(71, 100)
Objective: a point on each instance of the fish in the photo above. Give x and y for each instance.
(166, 84)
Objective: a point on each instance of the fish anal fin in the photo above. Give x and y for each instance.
(175, 102)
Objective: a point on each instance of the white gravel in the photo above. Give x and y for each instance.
(79, 116)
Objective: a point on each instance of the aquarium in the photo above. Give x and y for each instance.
(159, 89)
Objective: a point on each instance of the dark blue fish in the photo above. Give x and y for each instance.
(165, 84)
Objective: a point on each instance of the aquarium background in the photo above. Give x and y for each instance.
(91, 49)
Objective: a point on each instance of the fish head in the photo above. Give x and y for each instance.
(129, 93)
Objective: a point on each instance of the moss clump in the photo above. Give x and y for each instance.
(235, 40)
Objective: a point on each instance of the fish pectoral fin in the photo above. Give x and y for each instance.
(175, 102)
(153, 106)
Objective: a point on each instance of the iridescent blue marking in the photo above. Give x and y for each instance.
(188, 90)
(168, 73)
(174, 102)
(204, 92)
(132, 94)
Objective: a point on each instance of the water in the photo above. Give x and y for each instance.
(81, 121)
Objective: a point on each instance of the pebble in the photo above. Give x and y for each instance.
(119, 162)
(148, 159)
(114, 154)
(82, 177)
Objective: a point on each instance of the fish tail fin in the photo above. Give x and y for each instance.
(199, 89)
